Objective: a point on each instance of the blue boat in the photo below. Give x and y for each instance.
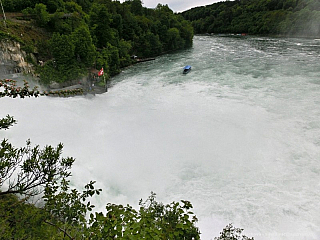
(186, 69)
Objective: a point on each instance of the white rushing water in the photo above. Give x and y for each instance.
(239, 136)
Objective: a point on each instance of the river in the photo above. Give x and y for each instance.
(238, 136)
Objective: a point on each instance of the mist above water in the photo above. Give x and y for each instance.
(238, 136)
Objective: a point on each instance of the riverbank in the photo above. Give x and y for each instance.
(85, 88)
(87, 84)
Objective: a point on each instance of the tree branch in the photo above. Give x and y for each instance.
(60, 229)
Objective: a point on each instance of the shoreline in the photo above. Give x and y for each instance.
(88, 86)
(94, 89)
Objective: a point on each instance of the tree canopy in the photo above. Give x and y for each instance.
(86, 34)
(284, 17)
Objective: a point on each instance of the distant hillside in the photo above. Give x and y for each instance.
(72, 37)
(285, 17)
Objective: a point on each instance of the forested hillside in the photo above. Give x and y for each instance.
(285, 17)
(84, 34)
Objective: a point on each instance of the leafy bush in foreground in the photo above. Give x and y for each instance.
(232, 233)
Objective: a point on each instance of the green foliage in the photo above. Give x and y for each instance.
(154, 220)
(41, 14)
(58, 24)
(124, 49)
(84, 48)
(136, 7)
(25, 170)
(149, 45)
(54, 5)
(109, 59)
(67, 207)
(68, 64)
(113, 59)
(93, 33)
(232, 233)
(174, 40)
(100, 20)
(7, 122)
(62, 49)
(54, 72)
(258, 17)
(22, 220)
(6, 35)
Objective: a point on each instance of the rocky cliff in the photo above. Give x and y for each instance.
(13, 63)
(13, 59)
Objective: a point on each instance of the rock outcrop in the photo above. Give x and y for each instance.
(13, 59)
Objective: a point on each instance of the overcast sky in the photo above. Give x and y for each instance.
(178, 5)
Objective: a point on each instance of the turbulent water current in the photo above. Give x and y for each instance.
(238, 136)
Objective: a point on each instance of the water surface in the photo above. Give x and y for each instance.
(239, 136)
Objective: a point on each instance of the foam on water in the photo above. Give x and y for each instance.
(238, 136)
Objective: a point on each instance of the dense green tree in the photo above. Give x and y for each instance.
(113, 58)
(130, 26)
(117, 24)
(173, 40)
(59, 24)
(84, 48)
(100, 20)
(109, 59)
(42, 16)
(124, 56)
(148, 45)
(22, 220)
(186, 32)
(66, 64)
(116, 32)
(257, 17)
(54, 5)
(136, 6)
(62, 49)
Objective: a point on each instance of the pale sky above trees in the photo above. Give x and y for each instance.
(178, 5)
(181, 5)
